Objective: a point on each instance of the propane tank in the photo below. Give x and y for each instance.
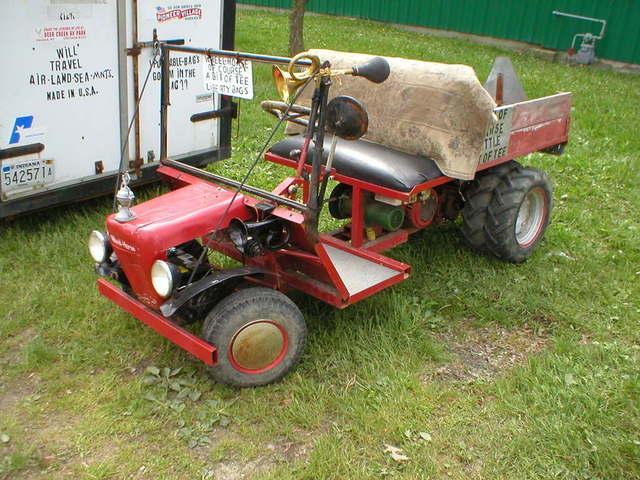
(389, 217)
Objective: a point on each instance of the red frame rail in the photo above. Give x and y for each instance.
(186, 340)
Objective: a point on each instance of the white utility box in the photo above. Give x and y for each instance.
(73, 70)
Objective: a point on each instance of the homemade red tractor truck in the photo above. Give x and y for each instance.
(157, 257)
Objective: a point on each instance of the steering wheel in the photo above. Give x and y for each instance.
(294, 114)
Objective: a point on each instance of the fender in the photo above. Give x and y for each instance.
(172, 305)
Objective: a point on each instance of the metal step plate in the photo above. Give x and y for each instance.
(357, 273)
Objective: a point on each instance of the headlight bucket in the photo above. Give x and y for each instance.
(164, 277)
(99, 246)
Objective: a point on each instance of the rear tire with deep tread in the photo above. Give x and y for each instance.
(244, 308)
(511, 233)
(477, 196)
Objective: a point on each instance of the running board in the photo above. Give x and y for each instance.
(358, 273)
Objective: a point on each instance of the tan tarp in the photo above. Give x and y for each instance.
(435, 110)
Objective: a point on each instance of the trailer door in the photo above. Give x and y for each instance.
(191, 23)
(59, 121)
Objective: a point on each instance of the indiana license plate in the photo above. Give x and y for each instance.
(20, 174)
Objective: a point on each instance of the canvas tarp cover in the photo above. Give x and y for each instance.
(430, 109)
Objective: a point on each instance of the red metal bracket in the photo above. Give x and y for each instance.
(169, 330)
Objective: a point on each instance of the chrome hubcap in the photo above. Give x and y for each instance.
(530, 217)
(257, 345)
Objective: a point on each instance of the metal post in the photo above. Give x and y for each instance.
(135, 59)
(198, 172)
(165, 89)
(313, 206)
(499, 89)
(122, 73)
(255, 57)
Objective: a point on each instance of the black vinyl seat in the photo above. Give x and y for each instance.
(369, 162)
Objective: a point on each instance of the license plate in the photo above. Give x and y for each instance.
(19, 174)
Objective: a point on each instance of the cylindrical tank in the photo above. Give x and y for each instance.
(389, 217)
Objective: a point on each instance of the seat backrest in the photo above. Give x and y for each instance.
(434, 110)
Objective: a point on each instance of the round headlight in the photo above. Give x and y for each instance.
(164, 277)
(99, 246)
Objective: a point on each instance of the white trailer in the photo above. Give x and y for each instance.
(73, 72)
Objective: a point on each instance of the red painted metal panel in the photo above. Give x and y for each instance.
(387, 192)
(388, 241)
(377, 288)
(535, 125)
(169, 330)
(370, 255)
(357, 217)
(537, 137)
(311, 286)
(331, 270)
(539, 110)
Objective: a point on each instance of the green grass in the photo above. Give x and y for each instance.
(560, 395)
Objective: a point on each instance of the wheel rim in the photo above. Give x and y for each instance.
(258, 346)
(531, 217)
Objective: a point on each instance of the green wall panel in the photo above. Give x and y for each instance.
(522, 20)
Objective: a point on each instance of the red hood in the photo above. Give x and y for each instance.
(180, 215)
(166, 221)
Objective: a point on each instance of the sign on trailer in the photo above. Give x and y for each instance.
(228, 76)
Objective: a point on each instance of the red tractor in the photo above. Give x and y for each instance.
(158, 252)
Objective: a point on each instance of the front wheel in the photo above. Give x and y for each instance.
(260, 335)
(518, 214)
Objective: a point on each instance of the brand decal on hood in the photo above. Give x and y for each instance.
(122, 244)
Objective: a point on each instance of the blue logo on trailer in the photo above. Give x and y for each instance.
(6, 168)
(22, 123)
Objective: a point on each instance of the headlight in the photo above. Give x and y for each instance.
(164, 277)
(99, 246)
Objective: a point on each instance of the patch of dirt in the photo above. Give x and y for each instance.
(483, 353)
(290, 451)
(278, 451)
(16, 391)
(47, 440)
(239, 470)
(15, 345)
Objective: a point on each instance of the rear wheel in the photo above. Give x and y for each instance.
(477, 198)
(260, 336)
(518, 214)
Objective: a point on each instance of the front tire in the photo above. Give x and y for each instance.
(518, 214)
(260, 335)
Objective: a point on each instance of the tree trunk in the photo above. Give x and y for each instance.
(296, 20)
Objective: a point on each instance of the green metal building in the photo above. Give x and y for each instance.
(530, 21)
